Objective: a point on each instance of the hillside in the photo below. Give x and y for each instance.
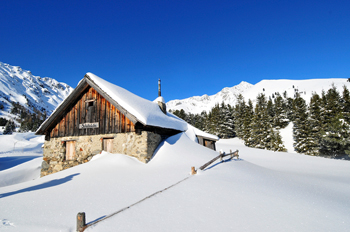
(228, 95)
(34, 93)
(262, 191)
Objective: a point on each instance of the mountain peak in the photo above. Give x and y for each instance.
(197, 104)
(32, 92)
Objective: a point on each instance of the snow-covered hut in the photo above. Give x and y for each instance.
(201, 137)
(99, 115)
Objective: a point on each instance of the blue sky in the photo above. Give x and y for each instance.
(194, 47)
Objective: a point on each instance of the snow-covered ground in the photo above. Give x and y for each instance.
(262, 191)
(20, 158)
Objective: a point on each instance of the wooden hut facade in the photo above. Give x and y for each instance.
(99, 116)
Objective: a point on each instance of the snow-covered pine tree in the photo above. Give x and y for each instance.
(345, 105)
(336, 141)
(214, 120)
(229, 121)
(274, 141)
(315, 119)
(332, 105)
(247, 123)
(301, 129)
(9, 127)
(225, 121)
(280, 120)
(204, 120)
(260, 123)
(270, 110)
(289, 108)
(239, 116)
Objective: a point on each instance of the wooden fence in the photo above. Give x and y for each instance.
(221, 156)
(81, 221)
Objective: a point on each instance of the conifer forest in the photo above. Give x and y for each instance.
(320, 127)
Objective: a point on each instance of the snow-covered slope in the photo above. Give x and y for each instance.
(262, 191)
(268, 87)
(17, 85)
(20, 158)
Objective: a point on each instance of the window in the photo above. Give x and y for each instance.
(90, 110)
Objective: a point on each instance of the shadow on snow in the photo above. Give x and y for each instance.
(48, 184)
(223, 161)
(11, 161)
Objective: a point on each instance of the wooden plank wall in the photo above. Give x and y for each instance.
(92, 107)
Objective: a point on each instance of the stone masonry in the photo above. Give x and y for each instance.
(140, 146)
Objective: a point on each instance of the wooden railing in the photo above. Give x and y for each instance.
(221, 156)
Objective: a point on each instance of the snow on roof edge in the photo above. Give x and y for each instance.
(199, 132)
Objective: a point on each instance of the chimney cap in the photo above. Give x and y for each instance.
(159, 89)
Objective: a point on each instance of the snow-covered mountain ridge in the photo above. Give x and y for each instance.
(228, 95)
(32, 92)
(197, 104)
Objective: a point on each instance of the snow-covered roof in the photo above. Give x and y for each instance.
(192, 132)
(145, 111)
(134, 107)
(159, 99)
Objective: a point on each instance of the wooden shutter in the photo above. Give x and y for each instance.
(70, 150)
(108, 145)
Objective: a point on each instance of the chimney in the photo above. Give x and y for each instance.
(160, 99)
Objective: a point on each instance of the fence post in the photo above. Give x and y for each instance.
(81, 223)
(193, 171)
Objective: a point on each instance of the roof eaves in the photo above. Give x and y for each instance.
(208, 138)
(111, 100)
(53, 118)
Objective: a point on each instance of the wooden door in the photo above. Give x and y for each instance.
(70, 150)
(108, 145)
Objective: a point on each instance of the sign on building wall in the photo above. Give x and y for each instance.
(89, 125)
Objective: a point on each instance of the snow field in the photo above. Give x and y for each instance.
(262, 191)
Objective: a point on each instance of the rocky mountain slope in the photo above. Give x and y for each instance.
(31, 92)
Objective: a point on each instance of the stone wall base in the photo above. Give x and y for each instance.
(140, 146)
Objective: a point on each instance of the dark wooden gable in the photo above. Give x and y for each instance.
(85, 108)
(91, 110)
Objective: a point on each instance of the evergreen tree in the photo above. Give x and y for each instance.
(239, 115)
(332, 105)
(260, 123)
(274, 141)
(301, 129)
(248, 115)
(336, 141)
(270, 110)
(9, 128)
(228, 127)
(204, 121)
(346, 104)
(220, 121)
(3, 121)
(315, 120)
(289, 108)
(280, 119)
(214, 120)
(181, 114)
